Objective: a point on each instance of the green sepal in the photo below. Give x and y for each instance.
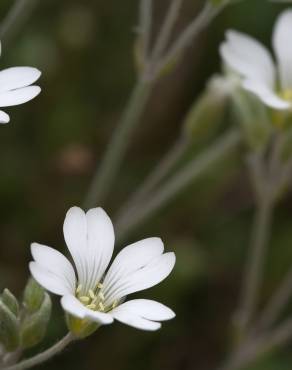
(34, 325)
(81, 328)
(253, 117)
(33, 296)
(9, 328)
(208, 111)
(10, 301)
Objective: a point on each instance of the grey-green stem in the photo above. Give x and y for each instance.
(163, 168)
(180, 180)
(44, 356)
(116, 149)
(18, 14)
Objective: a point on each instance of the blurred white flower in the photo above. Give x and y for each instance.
(15, 89)
(270, 81)
(94, 294)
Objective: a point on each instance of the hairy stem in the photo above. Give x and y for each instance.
(277, 303)
(18, 14)
(254, 267)
(179, 181)
(117, 147)
(44, 356)
(156, 176)
(115, 152)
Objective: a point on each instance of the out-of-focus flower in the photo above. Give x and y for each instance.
(94, 295)
(270, 81)
(15, 87)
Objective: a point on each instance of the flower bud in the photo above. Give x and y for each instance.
(208, 111)
(9, 328)
(10, 301)
(34, 325)
(81, 328)
(33, 295)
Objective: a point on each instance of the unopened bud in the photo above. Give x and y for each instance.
(10, 301)
(34, 325)
(33, 295)
(9, 328)
(208, 111)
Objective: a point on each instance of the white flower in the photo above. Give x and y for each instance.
(95, 294)
(15, 89)
(270, 81)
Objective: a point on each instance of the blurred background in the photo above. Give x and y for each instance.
(49, 152)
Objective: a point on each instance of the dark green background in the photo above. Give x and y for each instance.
(50, 149)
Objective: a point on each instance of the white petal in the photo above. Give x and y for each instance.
(4, 118)
(75, 234)
(53, 261)
(146, 277)
(73, 306)
(18, 96)
(48, 280)
(266, 95)
(148, 309)
(100, 244)
(132, 258)
(248, 57)
(136, 321)
(283, 47)
(16, 77)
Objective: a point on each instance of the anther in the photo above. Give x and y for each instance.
(84, 299)
(91, 294)
(101, 306)
(91, 306)
(101, 296)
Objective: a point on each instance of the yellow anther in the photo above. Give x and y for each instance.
(114, 305)
(101, 306)
(101, 296)
(99, 285)
(91, 294)
(78, 290)
(84, 299)
(91, 306)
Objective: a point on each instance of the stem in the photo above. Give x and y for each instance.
(166, 29)
(208, 13)
(18, 14)
(257, 346)
(44, 356)
(116, 149)
(156, 176)
(145, 24)
(180, 181)
(277, 303)
(254, 268)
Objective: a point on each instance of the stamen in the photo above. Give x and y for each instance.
(91, 306)
(91, 294)
(99, 285)
(114, 305)
(101, 296)
(79, 288)
(84, 299)
(101, 306)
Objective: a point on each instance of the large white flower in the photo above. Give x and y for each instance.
(93, 293)
(15, 87)
(270, 81)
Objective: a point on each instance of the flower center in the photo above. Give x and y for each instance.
(286, 95)
(94, 299)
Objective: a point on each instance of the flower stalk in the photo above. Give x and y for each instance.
(44, 356)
